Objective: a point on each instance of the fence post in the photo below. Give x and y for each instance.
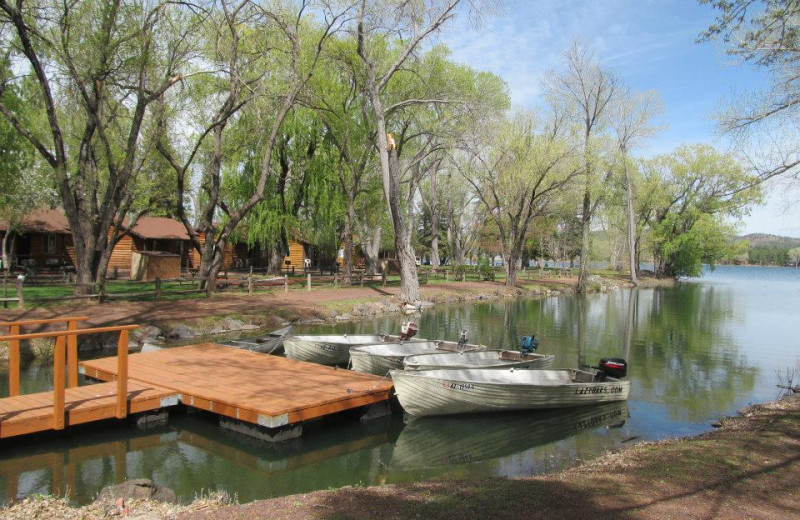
(250, 284)
(158, 288)
(72, 355)
(308, 276)
(122, 375)
(13, 362)
(286, 283)
(58, 384)
(20, 296)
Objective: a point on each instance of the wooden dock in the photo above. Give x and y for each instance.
(268, 392)
(265, 390)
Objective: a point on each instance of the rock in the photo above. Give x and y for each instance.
(146, 334)
(344, 317)
(137, 489)
(334, 314)
(180, 332)
(232, 324)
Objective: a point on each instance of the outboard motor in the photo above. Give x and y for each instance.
(408, 330)
(528, 344)
(612, 367)
(462, 340)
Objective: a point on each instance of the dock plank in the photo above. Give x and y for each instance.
(246, 385)
(33, 413)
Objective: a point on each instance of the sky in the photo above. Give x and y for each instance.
(650, 44)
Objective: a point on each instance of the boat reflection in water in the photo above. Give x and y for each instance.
(464, 439)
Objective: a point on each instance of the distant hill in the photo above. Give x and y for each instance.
(771, 241)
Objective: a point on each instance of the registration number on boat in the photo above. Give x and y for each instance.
(457, 386)
(331, 348)
(599, 390)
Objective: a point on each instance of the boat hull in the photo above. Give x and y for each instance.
(271, 343)
(445, 392)
(380, 359)
(330, 350)
(495, 359)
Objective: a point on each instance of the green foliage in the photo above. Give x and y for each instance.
(695, 189)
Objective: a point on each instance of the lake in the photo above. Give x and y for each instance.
(698, 351)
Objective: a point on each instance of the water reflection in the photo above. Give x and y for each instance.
(450, 440)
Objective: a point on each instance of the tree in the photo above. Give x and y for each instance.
(794, 256)
(413, 22)
(631, 119)
(698, 189)
(764, 33)
(589, 92)
(97, 67)
(273, 47)
(516, 175)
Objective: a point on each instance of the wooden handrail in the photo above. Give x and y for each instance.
(77, 332)
(25, 323)
(68, 339)
(13, 349)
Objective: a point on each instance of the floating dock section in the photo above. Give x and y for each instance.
(263, 390)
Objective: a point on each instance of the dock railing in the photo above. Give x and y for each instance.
(67, 339)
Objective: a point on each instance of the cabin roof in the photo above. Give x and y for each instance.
(160, 228)
(42, 221)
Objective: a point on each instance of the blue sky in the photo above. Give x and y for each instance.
(650, 44)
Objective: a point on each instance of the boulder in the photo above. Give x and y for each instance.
(146, 334)
(137, 489)
(180, 332)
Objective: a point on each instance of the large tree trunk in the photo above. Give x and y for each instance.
(349, 223)
(370, 247)
(5, 252)
(631, 223)
(434, 222)
(409, 283)
(586, 219)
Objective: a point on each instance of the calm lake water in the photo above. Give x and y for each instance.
(696, 352)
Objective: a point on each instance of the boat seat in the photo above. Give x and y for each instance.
(583, 377)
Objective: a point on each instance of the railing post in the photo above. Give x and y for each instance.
(72, 355)
(20, 296)
(158, 288)
(13, 362)
(122, 375)
(58, 384)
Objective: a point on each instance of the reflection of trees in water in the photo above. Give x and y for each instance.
(689, 357)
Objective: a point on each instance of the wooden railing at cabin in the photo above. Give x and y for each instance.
(63, 338)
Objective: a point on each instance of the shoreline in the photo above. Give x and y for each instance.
(746, 468)
(226, 315)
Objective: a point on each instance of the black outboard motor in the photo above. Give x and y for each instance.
(612, 367)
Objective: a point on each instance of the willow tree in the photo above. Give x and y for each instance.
(263, 55)
(699, 191)
(98, 66)
(518, 169)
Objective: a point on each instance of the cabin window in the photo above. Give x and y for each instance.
(50, 244)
